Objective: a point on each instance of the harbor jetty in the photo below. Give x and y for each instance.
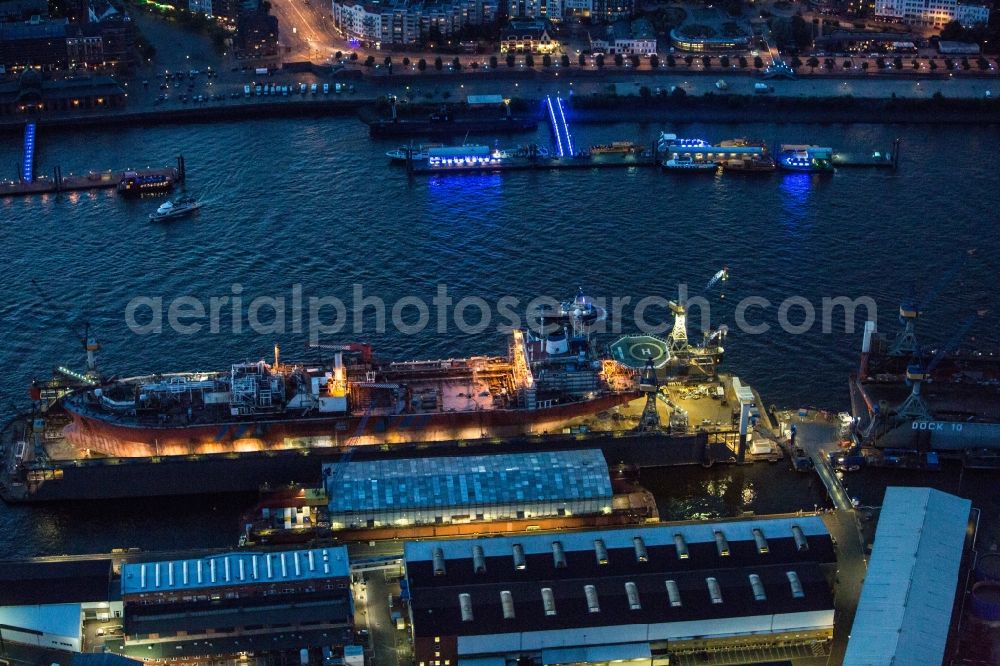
(165, 177)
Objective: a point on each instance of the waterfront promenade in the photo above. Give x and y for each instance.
(227, 99)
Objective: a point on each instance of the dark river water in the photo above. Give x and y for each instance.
(311, 205)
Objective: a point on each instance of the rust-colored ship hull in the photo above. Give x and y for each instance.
(121, 439)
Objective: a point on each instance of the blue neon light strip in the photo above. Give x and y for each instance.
(555, 126)
(569, 137)
(28, 166)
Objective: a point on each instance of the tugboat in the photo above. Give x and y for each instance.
(180, 207)
(806, 159)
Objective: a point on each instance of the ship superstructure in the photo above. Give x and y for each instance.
(355, 399)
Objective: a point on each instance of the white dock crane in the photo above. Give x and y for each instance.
(678, 334)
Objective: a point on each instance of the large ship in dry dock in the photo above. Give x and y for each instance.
(272, 421)
(945, 400)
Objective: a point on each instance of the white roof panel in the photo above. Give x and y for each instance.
(905, 608)
(229, 569)
(660, 535)
(53, 619)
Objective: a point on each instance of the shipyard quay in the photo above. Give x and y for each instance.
(644, 595)
(499, 333)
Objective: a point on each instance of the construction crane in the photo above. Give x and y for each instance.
(911, 308)
(678, 336)
(87, 338)
(917, 373)
(650, 385)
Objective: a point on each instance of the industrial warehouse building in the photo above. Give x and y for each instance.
(186, 610)
(441, 490)
(44, 604)
(905, 611)
(637, 596)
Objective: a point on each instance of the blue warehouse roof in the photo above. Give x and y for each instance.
(231, 569)
(472, 480)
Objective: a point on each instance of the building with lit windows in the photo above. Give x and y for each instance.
(31, 94)
(644, 596)
(581, 8)
(935, 13)
(409, 21)
(452, 489)
(188, 610)
(524, 36)
(717, 43)
(612, 10)
(22, 10)
(635, 38)
(535, 9)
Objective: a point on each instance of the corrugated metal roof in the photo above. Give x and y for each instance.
(231, 569)
(906, 602)
(26, 583)
(596, 653)
(660, 535)
(53, 619)
(471, 480)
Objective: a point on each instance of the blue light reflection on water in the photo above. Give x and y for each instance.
(477, 195)
(795, 191)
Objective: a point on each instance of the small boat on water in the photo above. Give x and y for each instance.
(806, 159)
(180, 207)
(688, 163)
(398, 156)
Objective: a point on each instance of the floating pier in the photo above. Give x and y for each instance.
(92, 180)
(646, 159)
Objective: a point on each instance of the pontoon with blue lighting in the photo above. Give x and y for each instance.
(667, 140)
(806, 159)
